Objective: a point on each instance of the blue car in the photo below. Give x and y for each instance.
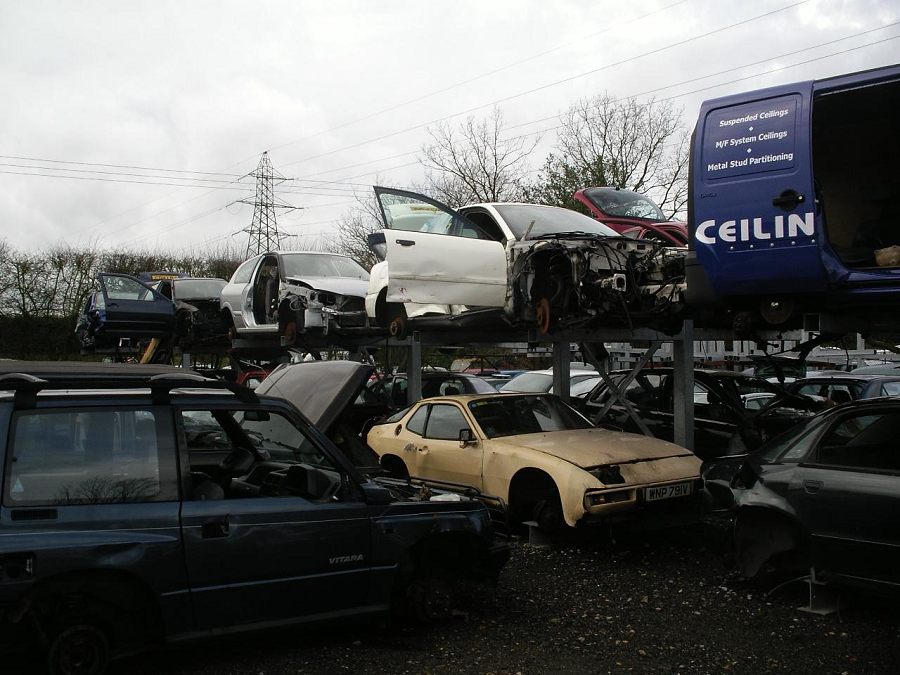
(793, 203)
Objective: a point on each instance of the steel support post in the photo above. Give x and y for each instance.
(562, 359)
(683, 387)
(414, 370)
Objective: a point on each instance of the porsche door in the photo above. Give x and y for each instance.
(437, 256)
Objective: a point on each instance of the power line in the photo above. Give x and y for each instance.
(555, 83)
(481, 76)
(650, 91)
(543, 87)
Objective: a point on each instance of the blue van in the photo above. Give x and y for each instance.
(793, 202)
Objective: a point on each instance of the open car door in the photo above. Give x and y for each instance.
(435, 255)
(134, 310)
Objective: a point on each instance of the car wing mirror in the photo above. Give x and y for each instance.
(466, 437)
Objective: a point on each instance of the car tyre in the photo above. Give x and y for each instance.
(81, 649)
(432, 600)
(548, 513)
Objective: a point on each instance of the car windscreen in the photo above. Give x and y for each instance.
(737, 387)
(516, 415)
(529, 382)
(625, 204)
(318, 265)
(529, 221)
(198, 288)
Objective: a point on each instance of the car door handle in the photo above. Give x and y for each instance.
(216, 528)
(423, 450)
(788, 199)
(406, 242)
(812, 486)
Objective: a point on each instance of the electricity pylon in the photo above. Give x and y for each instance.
(263, 231)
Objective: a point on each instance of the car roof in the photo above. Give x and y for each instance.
(465, 398)
(840, 375)
(88, 369)
(342, 255)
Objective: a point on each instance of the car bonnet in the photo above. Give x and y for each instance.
(321, 390)
(594, 447)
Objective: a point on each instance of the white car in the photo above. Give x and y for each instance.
(514, 264)
(289, 293)
(581, 382)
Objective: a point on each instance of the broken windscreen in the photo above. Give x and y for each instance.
(530, 221)
(515, 415)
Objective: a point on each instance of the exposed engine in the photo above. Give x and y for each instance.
(580, 281)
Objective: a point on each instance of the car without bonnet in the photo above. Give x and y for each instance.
(521, 264)
(547, 461)
(145, 503)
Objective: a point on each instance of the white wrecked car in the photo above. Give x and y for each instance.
(291, 293)
(514, 264)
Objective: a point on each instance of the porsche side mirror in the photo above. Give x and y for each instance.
(466, 437)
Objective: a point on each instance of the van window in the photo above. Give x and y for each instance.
(63, 457)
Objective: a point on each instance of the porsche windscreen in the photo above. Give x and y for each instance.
(516, 415)
(528, 221)
(319, 265)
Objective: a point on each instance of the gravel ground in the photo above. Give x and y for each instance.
(650, 603)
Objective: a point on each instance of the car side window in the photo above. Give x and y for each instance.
(244, 272)
(644, 391)
(708, 404)
(71, 457)
(123, 288)
(890, 389)
(863, 441)
(445, 422)
(225, 448)
(416, 423)
(398, 392)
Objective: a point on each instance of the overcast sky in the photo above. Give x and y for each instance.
(339, 91)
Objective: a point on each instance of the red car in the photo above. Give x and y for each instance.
(632, 214)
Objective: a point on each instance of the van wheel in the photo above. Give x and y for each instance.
(82, 649)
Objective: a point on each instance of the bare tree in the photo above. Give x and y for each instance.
(607, 142)
(356, 225)
(474, 163)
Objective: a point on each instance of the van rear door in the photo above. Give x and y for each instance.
(754, 225)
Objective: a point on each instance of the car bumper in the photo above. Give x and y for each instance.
(612, 505)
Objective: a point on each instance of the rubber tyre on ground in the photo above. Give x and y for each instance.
(431, 600)
(82, 649)
(548, 512)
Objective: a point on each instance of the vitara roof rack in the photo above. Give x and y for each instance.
(26, 385)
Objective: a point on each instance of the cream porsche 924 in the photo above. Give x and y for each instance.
(546, 460)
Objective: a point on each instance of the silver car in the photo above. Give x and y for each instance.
(291, 293)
